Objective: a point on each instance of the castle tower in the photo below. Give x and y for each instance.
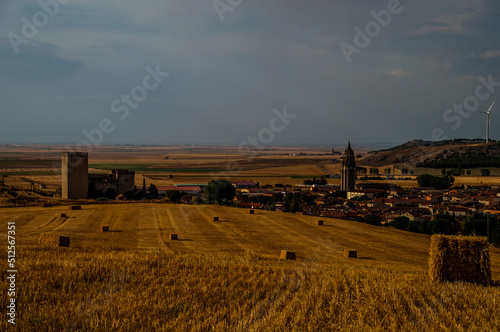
(125, 180)
(348, 170)
(75, 175)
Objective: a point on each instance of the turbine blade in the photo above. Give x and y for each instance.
(490, 107)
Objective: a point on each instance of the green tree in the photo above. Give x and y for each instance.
(220, 191)
(468, 172)
(153, 191)
(495, 237)
(372, 219)
(413, 226)
(173, 195)
(444, 224)
(427, 180)
(400, 222)
(129, 195)
(424, 227)
(476, 223)
(291, 203)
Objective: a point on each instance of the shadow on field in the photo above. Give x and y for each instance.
(185, 240)
(369, 258)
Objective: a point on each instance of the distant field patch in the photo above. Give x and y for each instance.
(157, 168)
(6, 162)
(32, 173)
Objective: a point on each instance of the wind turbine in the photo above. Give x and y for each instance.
(488, 123)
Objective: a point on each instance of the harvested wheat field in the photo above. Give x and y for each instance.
(227, 276)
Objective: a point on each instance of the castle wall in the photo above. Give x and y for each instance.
(102, 182)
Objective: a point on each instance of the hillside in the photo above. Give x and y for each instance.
(227, 276)
(442, 154)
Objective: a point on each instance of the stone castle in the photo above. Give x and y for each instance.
(77, 183)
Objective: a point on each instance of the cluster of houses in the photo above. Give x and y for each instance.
(415, 204)
(384, 200)
(352, 200)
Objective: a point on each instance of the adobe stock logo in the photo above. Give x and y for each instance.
(372, 29)
(459, 112)
(222, 7)
(30, 28)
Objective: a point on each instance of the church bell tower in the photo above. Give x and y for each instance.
(348, 170)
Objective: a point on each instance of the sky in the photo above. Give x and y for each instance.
(247, 73)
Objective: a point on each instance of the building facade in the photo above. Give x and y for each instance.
(75, 175)
(348, 173)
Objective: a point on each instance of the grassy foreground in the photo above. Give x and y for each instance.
(82, 289)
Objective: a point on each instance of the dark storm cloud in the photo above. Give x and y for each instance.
(227, 76)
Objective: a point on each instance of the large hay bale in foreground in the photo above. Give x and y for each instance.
(285, 254)
(459, 258)
(53, 240)
(251, 211)
(173, 236)
(105, 228)
(75, 207)
(319, 222)
(350, 253)
(216, 218)
(63, 215)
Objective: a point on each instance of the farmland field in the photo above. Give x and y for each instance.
(226, 275)
(147, 227)
(220, 276)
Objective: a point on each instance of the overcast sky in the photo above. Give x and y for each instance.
(368, 71)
